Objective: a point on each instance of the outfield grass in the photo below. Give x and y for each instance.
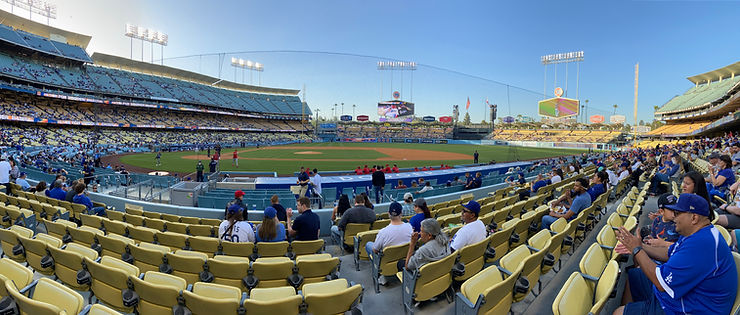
(350, 157)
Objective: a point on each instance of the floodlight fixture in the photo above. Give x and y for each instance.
(396, 65)
(146, 34)
(246, 64)
(562, 57)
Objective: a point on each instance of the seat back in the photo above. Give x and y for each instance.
(142, 234)
(331, 297)
(352, 229)
(68, 261)
(473, 257)
(272, 249)
(281, 300)
(109, 278)
(187, 264)
(172, 240)
(360, 240)
(177, 227)
(116, 227)
(316, 267)
(243, 249)
(272, 271)
(593, 261)
(306, 247)
(434, 278)
(84, 235)
(605, 286)
(212, 298)
(390, 256)
(229, 270)
(114, 245)
(499, 242)
(147, 256)
(57, 228)
(15, 272)
(158, 292)
(36, 250)
(204, 244)
(491, 285)
(49, 298)
(201, 230)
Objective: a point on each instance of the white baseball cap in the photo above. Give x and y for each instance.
(408, 196)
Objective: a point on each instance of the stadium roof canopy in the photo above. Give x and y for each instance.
(44, 30)
(116, 62)
(717, 74)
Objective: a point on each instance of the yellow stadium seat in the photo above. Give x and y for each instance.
(158, 292)
(332, 297)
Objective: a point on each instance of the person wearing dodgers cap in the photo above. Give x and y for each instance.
(408, 204)
(472, 231)
(396, 233)
(271, 230)
(698, 276)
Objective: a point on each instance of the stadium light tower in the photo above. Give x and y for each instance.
(576, 56)
(146, 35)
(400, 66)
(353, 110)
(248, 65)
(40, 7)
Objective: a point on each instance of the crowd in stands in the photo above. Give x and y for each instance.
(397, 131)
(91, 78)
(554, 135)
(15, 104)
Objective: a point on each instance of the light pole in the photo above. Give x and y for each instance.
(342, 109)
(353, 110)
(335, 111)
(587, 112)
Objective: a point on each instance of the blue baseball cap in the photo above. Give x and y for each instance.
(270, 212)
(473, 206)
(395, 209)
(234, 208)
(691, 203)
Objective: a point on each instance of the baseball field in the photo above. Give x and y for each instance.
(286, 159)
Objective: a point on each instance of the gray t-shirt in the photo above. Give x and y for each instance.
(358, 214)
(429, 252)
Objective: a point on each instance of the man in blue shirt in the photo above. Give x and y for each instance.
(698, 276)
(581, 201)
(663, 175)
(80, 198)
(56, 191)
(21, 180)
(306, 226)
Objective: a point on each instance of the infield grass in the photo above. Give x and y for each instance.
(350, 155)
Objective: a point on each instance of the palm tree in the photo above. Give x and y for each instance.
(615, 109)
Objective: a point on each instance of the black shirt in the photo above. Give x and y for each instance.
(306, 226)
(302, 177)
(280, 212)
(378, 178)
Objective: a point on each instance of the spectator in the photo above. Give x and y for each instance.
(597, 186)
(316, 182)
(307, 225)
(358, 171)
(40, 189)
(396, 233)
(72, 191)
(401, 185)
(478, 181)
(234, 228)
(82, 199)
(434, 248)
(663, 229)
(275, 203)
(720, 181)
(557, 176)
(199, 171)
(4, 172)
(698, 276)
(408, 204)
(378, 180)
(56, 191)
(422, 212)
(539, 182)
(358, 214)
(303, 181)
(342, 206)
(270, 230)
(570, 207)
(21, 180)
(472, 231)
(427, 187)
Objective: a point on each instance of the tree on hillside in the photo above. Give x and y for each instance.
(466, 120)
(642, 123)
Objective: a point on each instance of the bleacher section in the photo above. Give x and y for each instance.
(554, 135)
(41, 44)
(678, 129)
(394, 131)
(699, 96)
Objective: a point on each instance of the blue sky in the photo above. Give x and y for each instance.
(498, 41)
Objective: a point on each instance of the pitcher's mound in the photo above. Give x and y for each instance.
(308, 152)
